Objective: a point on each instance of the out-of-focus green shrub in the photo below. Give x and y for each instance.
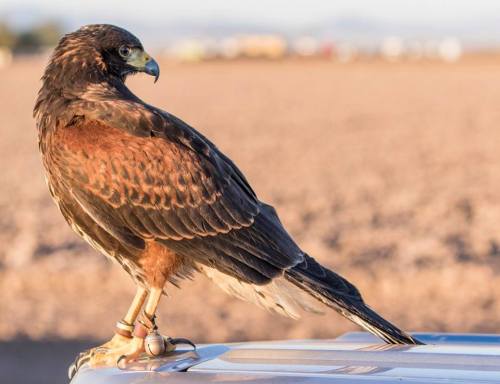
(30, 40)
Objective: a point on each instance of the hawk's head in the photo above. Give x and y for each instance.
(89, 65)
(97, 52)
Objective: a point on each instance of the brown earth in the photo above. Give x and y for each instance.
(389, 173)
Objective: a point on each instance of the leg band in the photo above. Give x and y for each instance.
(144, 325)
(140, 330)
(124, 329)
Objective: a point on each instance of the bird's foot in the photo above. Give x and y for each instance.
(123, 349)
(117, 342)
(153, 344)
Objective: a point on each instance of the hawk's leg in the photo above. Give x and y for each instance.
(124, 348)
(145, 325)
(122, 337)
(146, 340)
(129, 346)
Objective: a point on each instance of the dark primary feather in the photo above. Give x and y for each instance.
(337, 293)
(125, 173)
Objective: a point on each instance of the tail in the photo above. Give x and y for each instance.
(337, 293)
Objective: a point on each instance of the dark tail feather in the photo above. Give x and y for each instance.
(337, 293)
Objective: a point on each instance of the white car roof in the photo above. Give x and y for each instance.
(352, 358)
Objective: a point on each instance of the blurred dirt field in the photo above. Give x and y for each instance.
(389, 173)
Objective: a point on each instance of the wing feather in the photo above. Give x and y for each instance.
(177, 188)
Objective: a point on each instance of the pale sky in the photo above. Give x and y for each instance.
(283, 12)
(474, 21)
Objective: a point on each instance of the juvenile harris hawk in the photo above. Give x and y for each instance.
(155, 195)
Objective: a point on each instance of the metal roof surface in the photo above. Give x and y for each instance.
(352, 358)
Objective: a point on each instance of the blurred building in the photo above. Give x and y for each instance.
(396, 48)
(450, 49)
(392, 48)
(305, 46)
(232, 47)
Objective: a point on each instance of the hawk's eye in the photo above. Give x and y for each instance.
(124, 51)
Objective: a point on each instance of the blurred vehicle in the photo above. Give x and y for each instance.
(352, 358)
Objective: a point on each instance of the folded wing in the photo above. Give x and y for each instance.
(177, 189)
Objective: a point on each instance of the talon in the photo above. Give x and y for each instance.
(121, 361)
(180, 340)
(81, 359)
(72, 371)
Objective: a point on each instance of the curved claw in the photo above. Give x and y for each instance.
(72, 371)
(81, 359)
(180, 340)
(122, 359)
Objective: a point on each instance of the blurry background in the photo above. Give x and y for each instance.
(372, 127)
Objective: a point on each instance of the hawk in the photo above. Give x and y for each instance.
(150, 192)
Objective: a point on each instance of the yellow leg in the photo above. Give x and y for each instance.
(153, 301)
(118, 341)
(121, 350)
(136, 347)
(136, 305)
(125, 349)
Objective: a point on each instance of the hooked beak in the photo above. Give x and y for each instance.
(152, 68)
(143, 62)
